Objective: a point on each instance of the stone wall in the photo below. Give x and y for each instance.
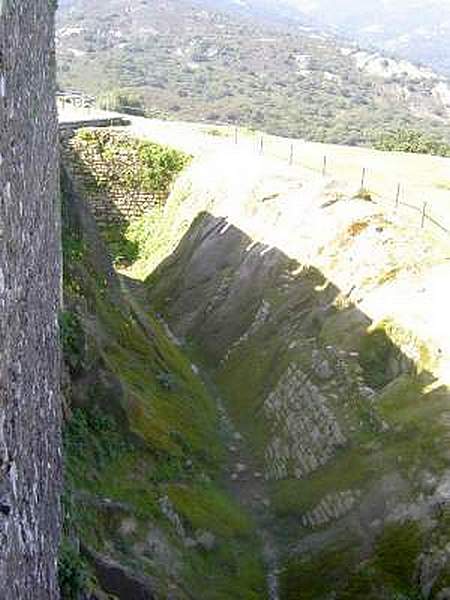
(30, 273)
(97, 175)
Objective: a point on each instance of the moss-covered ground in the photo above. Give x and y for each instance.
(141, 427)
(164, 440)
(397, 434)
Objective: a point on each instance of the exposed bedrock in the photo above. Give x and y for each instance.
(344, 419)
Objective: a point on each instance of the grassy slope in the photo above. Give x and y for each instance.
(407, 450)
(143, 427)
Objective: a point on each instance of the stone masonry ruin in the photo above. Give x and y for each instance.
(105, 168)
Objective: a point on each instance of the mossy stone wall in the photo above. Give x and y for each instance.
(122, 178)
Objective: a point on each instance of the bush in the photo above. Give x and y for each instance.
(410, 140)
(72, 339)
(123, 102)
(73, 572)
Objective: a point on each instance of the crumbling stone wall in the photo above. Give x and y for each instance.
(98, 176)
(30, 449)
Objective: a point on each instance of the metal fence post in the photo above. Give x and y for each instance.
(397, 197)
(291, 155)
(324, 167)
(261, 147)
(236, 135)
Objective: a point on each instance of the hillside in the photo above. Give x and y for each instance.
(271, 365)
(415, 30)
(309, 309)
(147, 512)
(189, 61)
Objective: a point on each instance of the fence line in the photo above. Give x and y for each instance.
(425, 216)
(79, 100)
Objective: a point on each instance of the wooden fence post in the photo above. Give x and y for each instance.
(424, 215)
(397, 197)
(363, 178)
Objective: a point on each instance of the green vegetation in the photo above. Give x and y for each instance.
(91, 437)
(351, 469)
(72, 339)
(123, 250)
(141, 426)
(73, 573)
(206, 509)
(132, 164)
(312, 578)
(410, 140)
(122, 101)
(375, 351)
(387, 574)
(396, 553)
(225, 68)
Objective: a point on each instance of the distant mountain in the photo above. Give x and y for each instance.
(245, 61)
(417, 30)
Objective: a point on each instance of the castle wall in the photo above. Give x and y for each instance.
(30, 270)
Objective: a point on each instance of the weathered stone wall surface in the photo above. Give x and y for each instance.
(30, 449)
(98, 176)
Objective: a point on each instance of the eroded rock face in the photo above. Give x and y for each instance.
(328, 402)
(119, 580)
(30, 452)
(306, 432)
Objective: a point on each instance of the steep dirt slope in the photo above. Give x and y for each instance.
(323, 324)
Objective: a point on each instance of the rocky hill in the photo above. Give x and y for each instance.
(191, 60)
(414, 30)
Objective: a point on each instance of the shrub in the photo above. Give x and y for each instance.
(122, 101)
(73, 572)
(410, 140)
(72, 339)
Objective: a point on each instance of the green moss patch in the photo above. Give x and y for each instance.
(341, 572)
(396, 553)
(375, 351)
(205, 508)
(351, 469)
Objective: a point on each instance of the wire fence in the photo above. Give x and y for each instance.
(384, 191)
(430, 206)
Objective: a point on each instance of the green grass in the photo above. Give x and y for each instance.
(396, 553)
(414, 414)
(313, 577)
(350, 469)
(375, 351)
(204, 507)
(387, 574)
(144, 424)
